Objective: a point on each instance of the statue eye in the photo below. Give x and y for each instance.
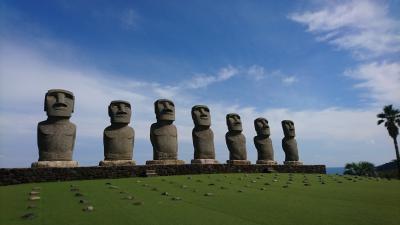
(50, 97)
(69, 96)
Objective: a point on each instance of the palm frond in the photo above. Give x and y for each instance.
(381, 115)
(380, 121)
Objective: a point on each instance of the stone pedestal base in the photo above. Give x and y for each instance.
(266, 162)
(59, 164)
(238, 162)
(204, 161)
(117, 163)
(165, 162)
(293, 163)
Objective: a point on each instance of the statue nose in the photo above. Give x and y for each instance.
(167, 106)
(60, 98)
(121, 107)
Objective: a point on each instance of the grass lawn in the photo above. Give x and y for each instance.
(243, 199)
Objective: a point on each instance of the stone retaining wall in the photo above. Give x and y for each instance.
(30, 175)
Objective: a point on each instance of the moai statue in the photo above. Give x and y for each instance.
(56, 135)
(203, 136)
(263, 143)
(118, 138)
(289, 144)
(235, 141)
(163, 135)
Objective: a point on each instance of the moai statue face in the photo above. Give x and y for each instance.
(59, 103)
(201, 116)
(288, 128)
(120, 112)
(262, 127)
(164, 109)
(233, 122)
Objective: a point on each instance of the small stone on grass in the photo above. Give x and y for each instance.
(32, 206)
(88, 208)
(28, 216)
(138, 203)
(34, 198)
(83, 201)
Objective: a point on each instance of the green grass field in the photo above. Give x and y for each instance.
(207, 199)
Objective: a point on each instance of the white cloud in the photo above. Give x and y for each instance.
(203, 80)
(256, 72)
(382, 80)
(289, 80)
(363, 27)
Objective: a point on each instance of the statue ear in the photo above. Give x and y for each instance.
(109, 110)
(45, 105)
(73, 103)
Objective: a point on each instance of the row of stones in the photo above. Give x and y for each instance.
(209, 186)
(56, 135)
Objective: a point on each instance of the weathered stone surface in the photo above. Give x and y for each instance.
(235, 140)
(263, 142)
(165, 162)
(202, 135)
(204, 161)
(289, 143)
(117, 163)
(56, 135)
(118, 138)
(163, 134)
(238, 162)
(61, 164)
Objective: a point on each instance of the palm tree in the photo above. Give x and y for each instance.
(391, 117)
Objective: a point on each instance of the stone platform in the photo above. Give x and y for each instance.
(10, 176)
(204, 161)
(54, 164)
(117, 163)
(293, 163)
(238, 162)
(165, 162)
(266, 162)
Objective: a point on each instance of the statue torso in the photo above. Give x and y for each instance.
(164, 141)
(264, 148)
(56, 140)
(203, 143)
(236, 145)
(118, 143)
(289, 146)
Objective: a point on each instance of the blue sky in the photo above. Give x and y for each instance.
(329, 66)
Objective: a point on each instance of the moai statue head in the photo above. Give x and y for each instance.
(120, 112)
(201, 116)
(59, 103)
(288, 128)
(233, 122)
(262, 127)
(164, 109)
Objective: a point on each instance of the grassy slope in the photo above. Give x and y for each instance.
(362, 202)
